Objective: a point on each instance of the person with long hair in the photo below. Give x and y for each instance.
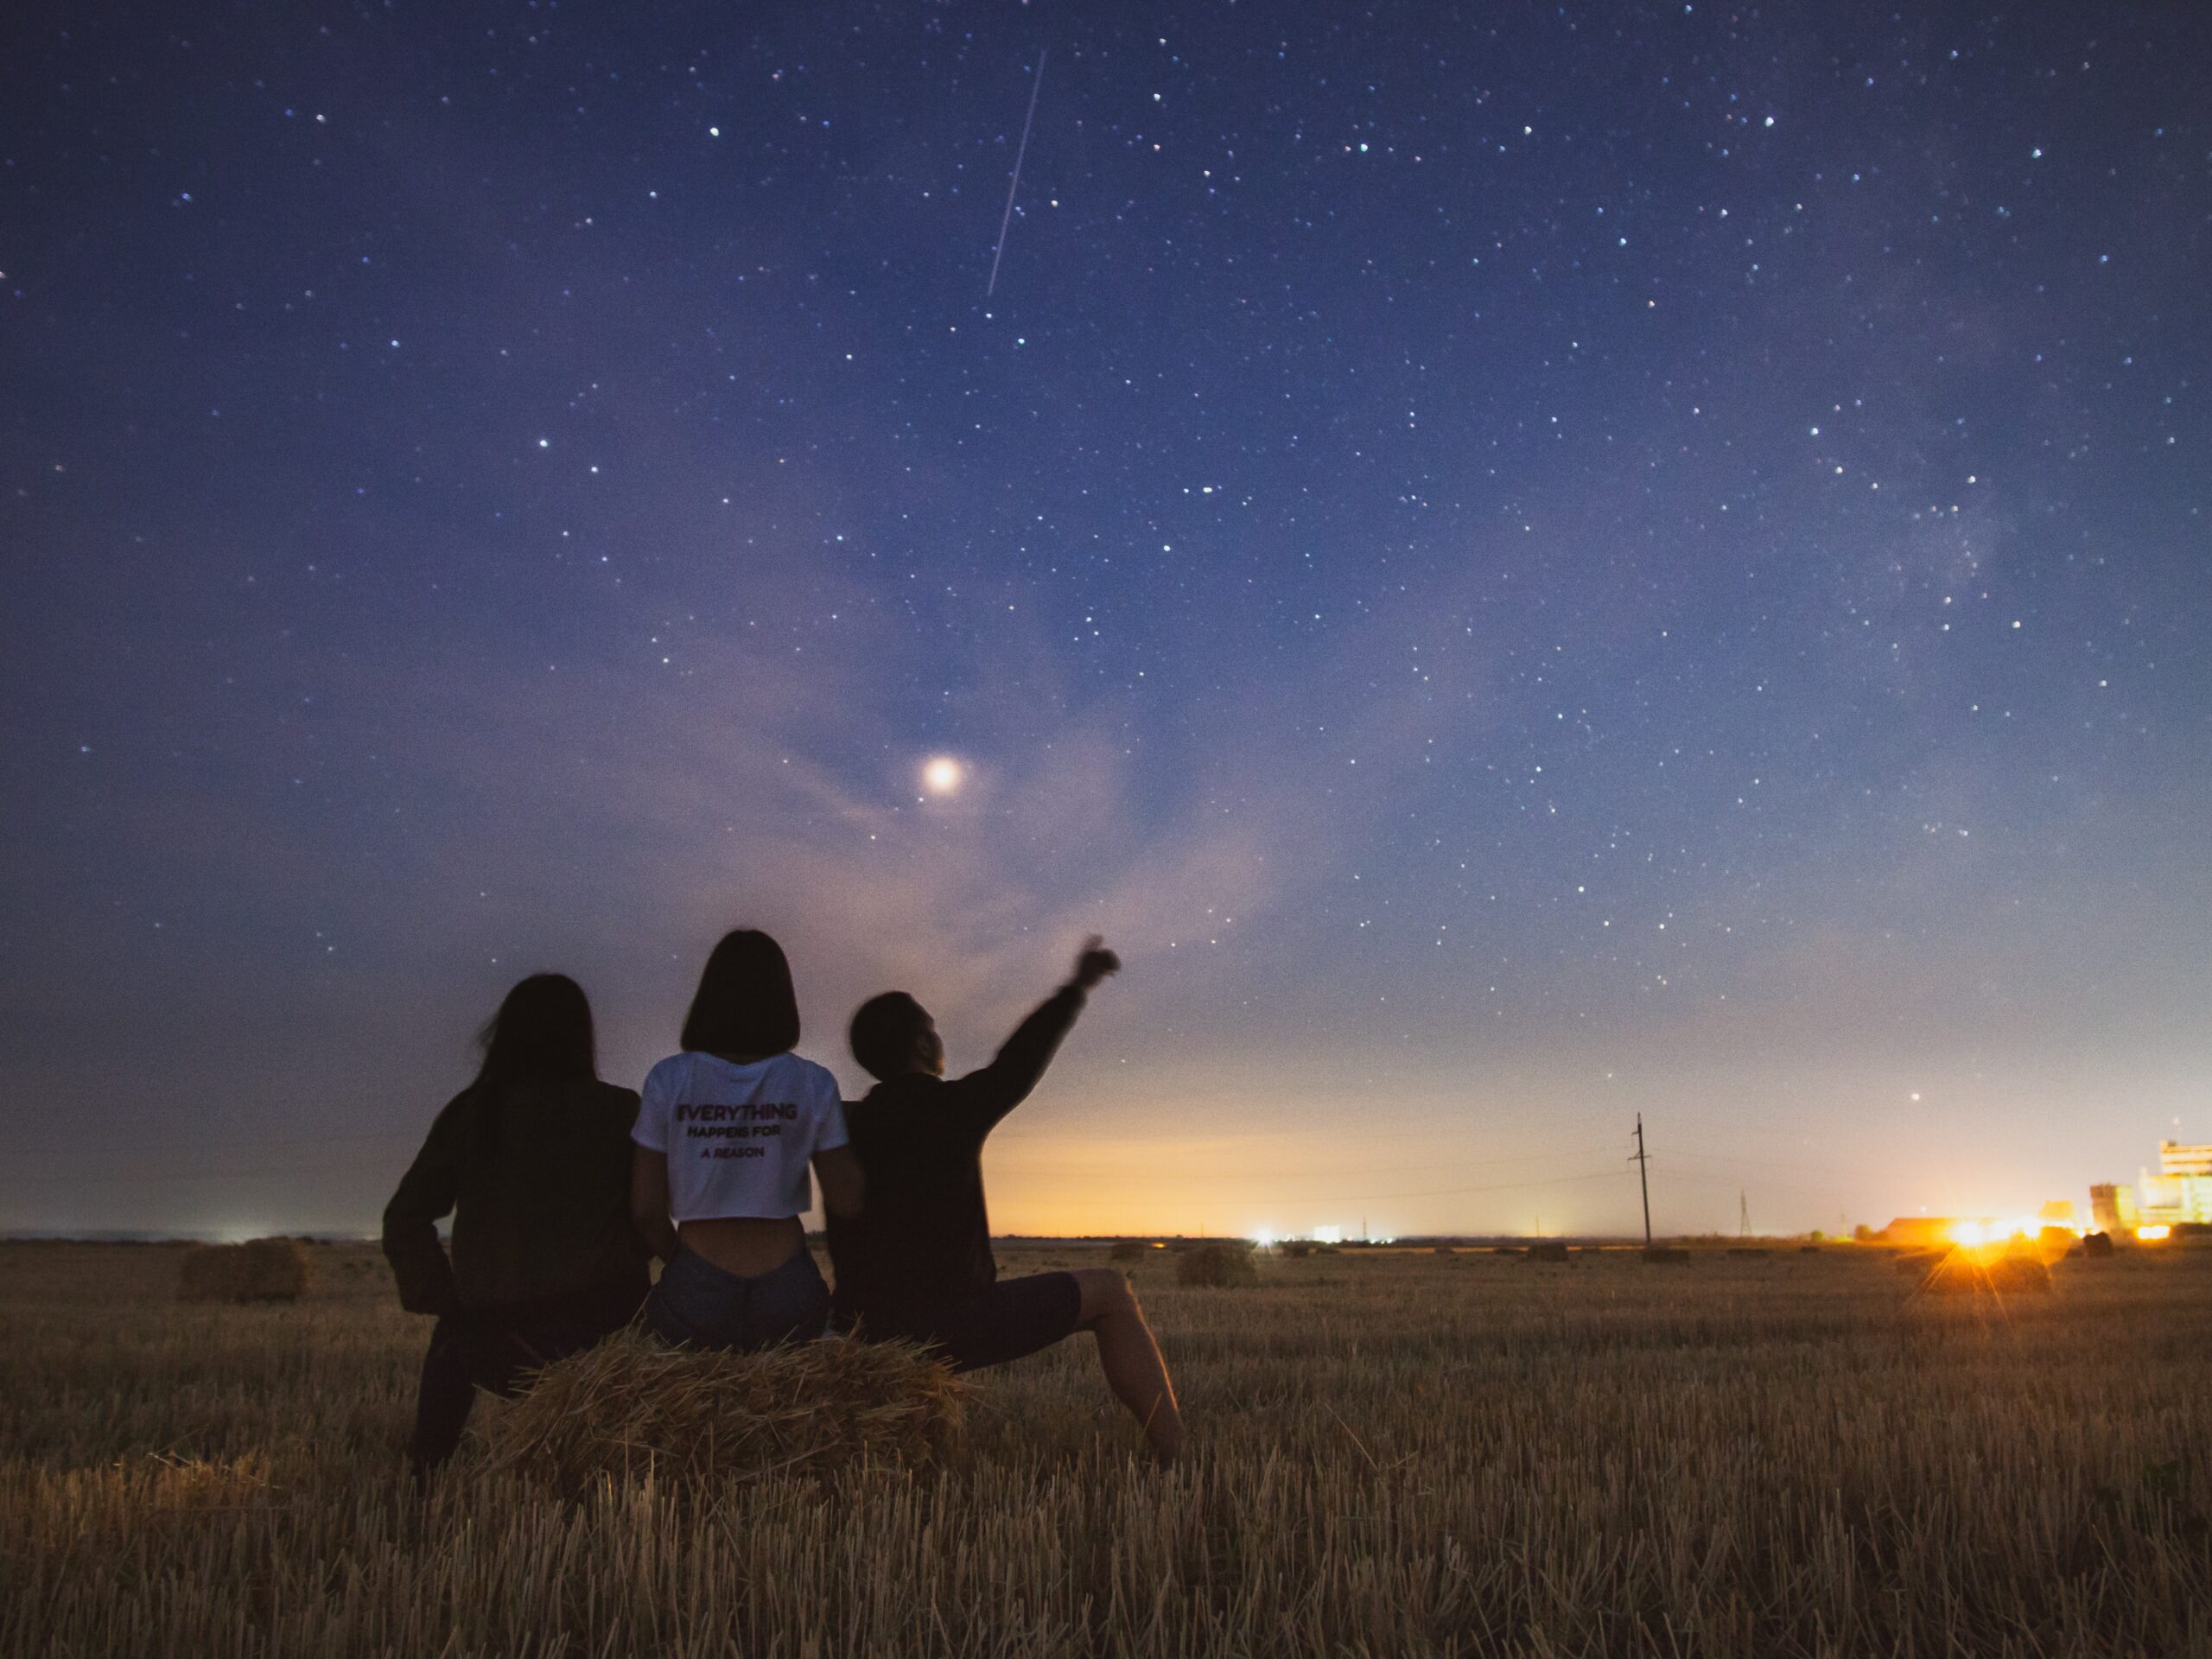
(532, 1161)
(726, 1136)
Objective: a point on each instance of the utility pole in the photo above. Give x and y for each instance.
(1743, 1214)
(1643, 1175)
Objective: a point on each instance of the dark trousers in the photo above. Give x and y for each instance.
(496, 1348)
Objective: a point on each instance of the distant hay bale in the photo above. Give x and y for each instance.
(1217, 1266)
(1545, 1249)
(632, 1403)
(1961, 1273)
(1128, 1250)
(1669, 1254)
(2096, 1245)
(1921, 1262)
(259, 1270)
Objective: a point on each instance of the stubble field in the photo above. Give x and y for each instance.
(1396, 1454)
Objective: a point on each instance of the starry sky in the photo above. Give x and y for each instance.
(1525, 563)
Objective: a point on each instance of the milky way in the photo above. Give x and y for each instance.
(1522, 564)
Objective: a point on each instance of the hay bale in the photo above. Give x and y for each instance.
(259, 1270)
(1128, 1250)
(1547, 1249)
(1669, 1255)
(1217, 1266)
(633, 1403)
(1961, 1273)
(2096, 1245)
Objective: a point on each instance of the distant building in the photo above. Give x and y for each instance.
(2181, 1190)
(2113, 1208)
(2180, 1163)
(2059, 1212)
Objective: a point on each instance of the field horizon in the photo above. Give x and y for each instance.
(1393, 1451)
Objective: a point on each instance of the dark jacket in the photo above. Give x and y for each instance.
(536, 1176)
(923, 1235)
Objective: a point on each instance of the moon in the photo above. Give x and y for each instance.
(941, 774)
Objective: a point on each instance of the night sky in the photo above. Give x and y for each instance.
(1525, 563)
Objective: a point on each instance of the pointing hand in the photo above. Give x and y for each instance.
(1095, 964)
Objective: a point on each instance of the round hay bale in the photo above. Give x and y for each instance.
(633, 1404)
(2096, 1246)
(1545, 1249)
(1128, 1250)
(259, 1270)
(1961, 1273)
(1217, 1266)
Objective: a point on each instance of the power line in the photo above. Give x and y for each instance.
(1643, 1178)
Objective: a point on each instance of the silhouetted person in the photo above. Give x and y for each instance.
(725, 1137)
(532, 1161)
(917, 1263)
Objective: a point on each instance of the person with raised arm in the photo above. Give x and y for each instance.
(916, 1264)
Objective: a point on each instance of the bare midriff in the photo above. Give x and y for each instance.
(747, 1246)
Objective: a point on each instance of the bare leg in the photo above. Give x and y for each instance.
(1131, 1358)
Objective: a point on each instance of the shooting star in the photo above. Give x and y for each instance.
(1014, 184)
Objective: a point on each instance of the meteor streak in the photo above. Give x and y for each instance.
(1006, 219)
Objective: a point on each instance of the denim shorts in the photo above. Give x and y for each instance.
(697, 1303)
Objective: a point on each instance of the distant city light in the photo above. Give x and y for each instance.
(2154, 1232)
(1328, 1235)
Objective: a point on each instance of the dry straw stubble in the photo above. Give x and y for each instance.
(1394, 1454)
(633, 1404)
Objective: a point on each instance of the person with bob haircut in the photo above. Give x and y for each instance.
(531, 1160)
(726, 1134)
(915, 1265)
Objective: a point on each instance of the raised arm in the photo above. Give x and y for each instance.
(426, 1194)
(1003, 1084)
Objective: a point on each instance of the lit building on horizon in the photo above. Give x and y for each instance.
(2180, 1191)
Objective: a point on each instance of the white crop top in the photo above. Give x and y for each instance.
(738, 1137)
